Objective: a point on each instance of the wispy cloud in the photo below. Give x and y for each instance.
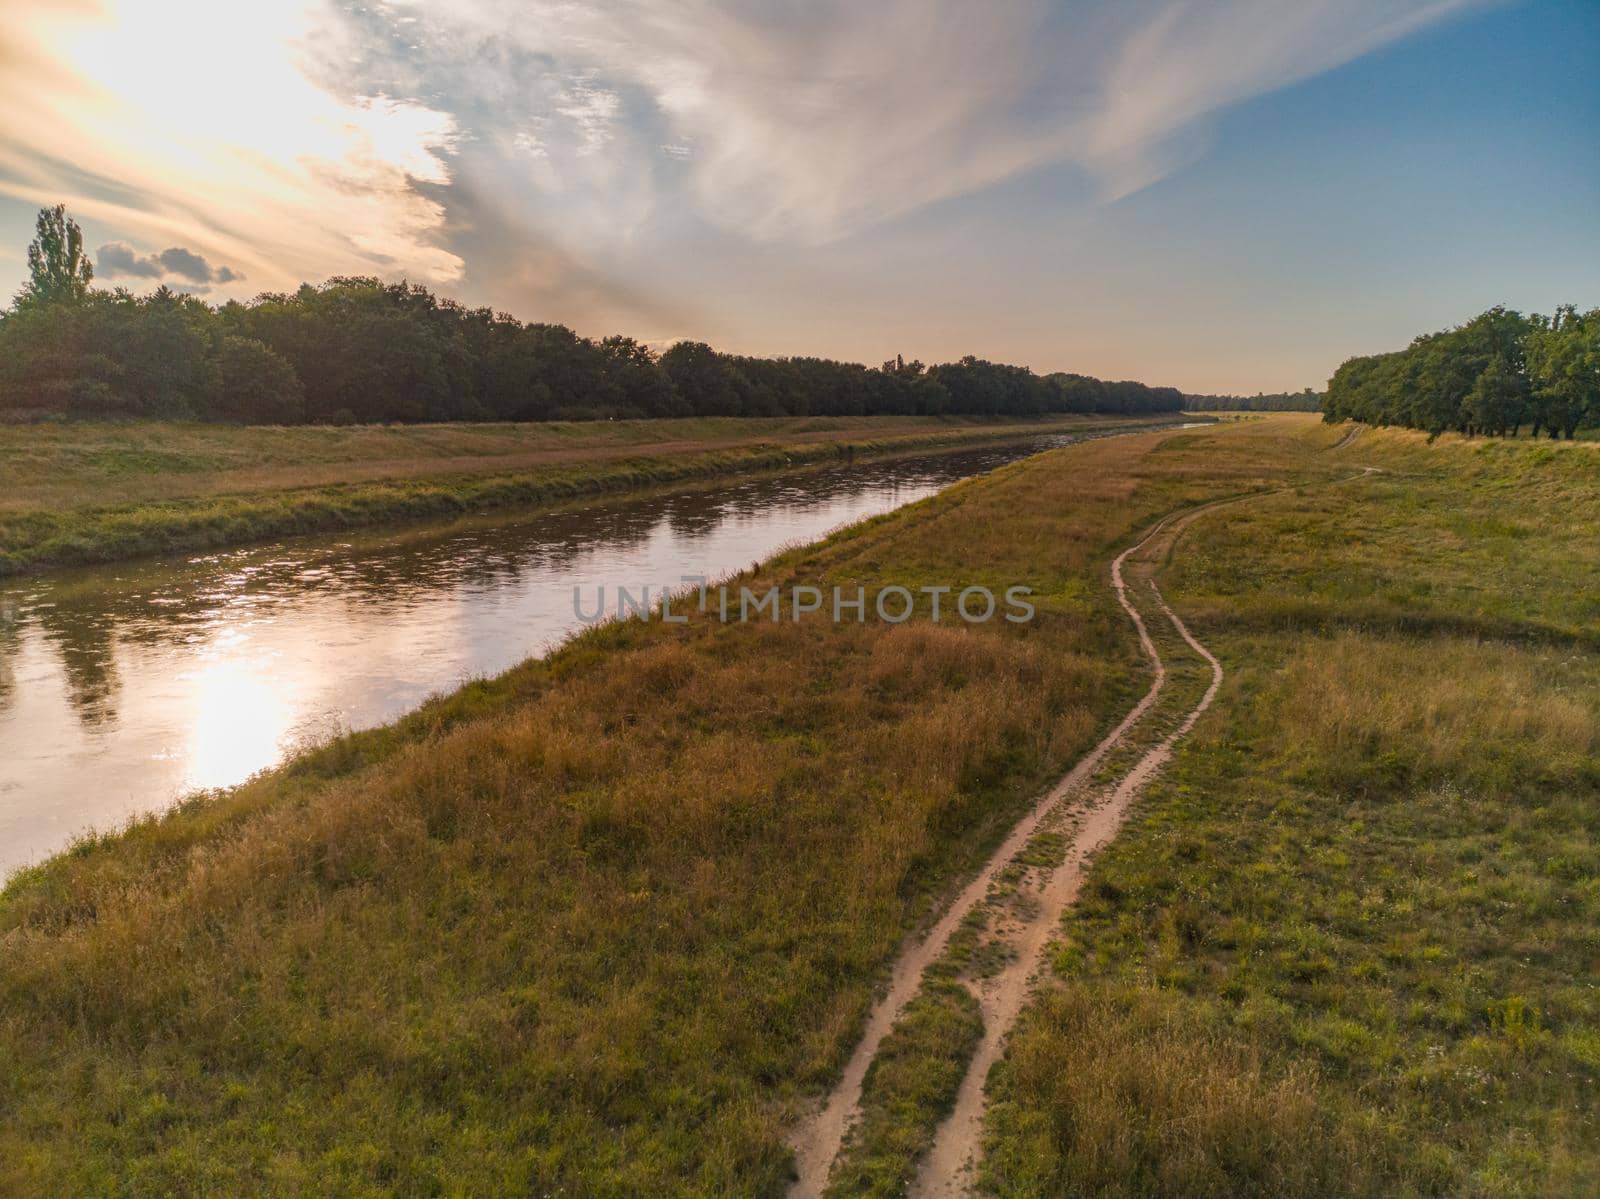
(813, 121)
(1185, 61)
(535, 152)
(592, 110)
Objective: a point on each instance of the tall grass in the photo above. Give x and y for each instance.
(1128, 1093)
(1346, 944)
(596, 927)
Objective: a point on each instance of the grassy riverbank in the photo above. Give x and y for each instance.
(1347, 943)
(605, 924)
(600, 924)
(84, 493)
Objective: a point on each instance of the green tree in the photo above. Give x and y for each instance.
(636, 382)
(52, 359)
(1564, 362)
(359, 349)
(704, 378)
(253, 385)
(1498, 401)
(57, 268)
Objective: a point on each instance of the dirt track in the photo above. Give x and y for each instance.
(1348, 438)
(946, 1169)
(816, 1142)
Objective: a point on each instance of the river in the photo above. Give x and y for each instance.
(124, 688)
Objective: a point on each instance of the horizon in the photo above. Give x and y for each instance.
(1231, 202)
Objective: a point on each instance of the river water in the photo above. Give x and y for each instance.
(124, 688)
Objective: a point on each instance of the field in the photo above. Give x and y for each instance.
(1348, 943)
(83, 493)
(611, 924)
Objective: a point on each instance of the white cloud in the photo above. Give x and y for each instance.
(592, 110)
(564, 143)
(812, 121)
(1189, 60)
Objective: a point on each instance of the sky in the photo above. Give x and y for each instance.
(1221, 195)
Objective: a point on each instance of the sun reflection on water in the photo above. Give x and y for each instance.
(241, 714)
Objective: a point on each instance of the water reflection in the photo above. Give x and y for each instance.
(126, 687)
(10, 646)
(88, 660)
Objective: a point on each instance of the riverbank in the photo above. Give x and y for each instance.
(601, 923)
(147, 680)
(79, 494)
(611, 922)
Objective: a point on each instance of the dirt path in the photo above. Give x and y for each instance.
(817, 1140)
(948, 1167)
(1348, 438)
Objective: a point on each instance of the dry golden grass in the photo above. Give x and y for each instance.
(79, 464)
(594, 927)
(97, 493)
(1127, 1094)
(1442, 709)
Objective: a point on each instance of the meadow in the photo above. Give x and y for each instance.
(609, 923)
(1347, 942)
(85, 492)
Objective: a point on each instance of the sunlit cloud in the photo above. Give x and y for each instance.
(609, 163)
(813, 121)
(193, 122)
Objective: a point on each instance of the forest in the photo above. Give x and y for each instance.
(359, 350)
(1278, 401)
(1494, 375)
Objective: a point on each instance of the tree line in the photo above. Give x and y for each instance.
(361, 350)
(1493, 375)
(1277, 401)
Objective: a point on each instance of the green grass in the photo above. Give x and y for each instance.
(85, 493)
(909, 1087)
(1346, 944)
(605, 924)
(600, 926)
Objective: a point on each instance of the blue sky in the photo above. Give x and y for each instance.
(1232, 195)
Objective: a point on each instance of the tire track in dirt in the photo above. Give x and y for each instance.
(948, 1168)
(1348, 438)
(817, 1140)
